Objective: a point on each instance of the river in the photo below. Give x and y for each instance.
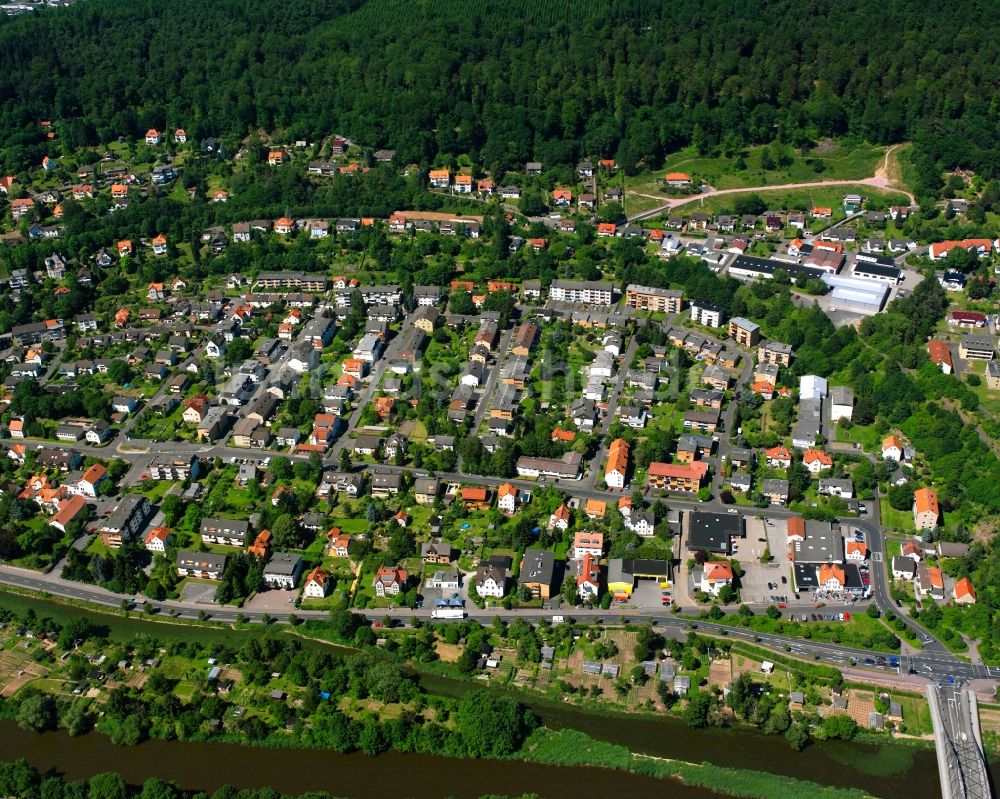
(890, 771)
(206, 766)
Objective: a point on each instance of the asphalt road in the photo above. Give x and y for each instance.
(935, 667)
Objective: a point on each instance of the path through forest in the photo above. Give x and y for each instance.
(879, 180)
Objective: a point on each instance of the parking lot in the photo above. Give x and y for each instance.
(647, 594)
(760, 582)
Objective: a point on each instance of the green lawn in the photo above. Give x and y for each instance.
(843, 161)
(803, 199)
(893, 548)
(351, 526)
(989, 398)
(868, 436)
(902, 520)
(861, 631)
(155, 490)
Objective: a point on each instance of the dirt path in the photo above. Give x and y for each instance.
(879, 180)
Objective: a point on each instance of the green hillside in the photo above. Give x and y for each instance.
(509, 82)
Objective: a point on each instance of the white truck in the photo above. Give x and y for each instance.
(448, 613)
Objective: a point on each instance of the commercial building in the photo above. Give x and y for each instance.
(712, 532)
(865, 297)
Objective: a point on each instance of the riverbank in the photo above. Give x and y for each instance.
(570, 748)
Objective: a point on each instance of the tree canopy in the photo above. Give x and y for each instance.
(510, 82)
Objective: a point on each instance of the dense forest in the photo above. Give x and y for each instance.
(514, 81)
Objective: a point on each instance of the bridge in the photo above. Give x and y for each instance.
(961, 762)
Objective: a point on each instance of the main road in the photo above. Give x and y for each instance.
(940, 668)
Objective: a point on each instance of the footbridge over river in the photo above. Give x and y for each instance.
(961, 762)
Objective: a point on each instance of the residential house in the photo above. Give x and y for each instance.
(157, 539)
(390, 581)
(282, 571)
(714, 576)
(776, 491)
(616, 469)
(437, 551)
(743, 331)
(476, 497)
(816, 461)
(125, 522)
(317, 584)
(560, 518)
(778, 457)
(203, 565)
(926, 511)
(69, 510)
(686, 477)
(929, 582)
(940, 353)
(508, 498)
(707, 314)
(964, 592)
(230, 532)
(588, 542)
(903, 568)
(892, 448)
(491, 577)
(425, 490)
(537, 573)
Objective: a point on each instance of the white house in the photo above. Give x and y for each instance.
(491, 581)
(641, 522)
(588, 542)
(124, 404)
(841, 403)
(617, 466)
(892, 448)
(282, 570)
(507, 498)
(816, 461)
(157, 539)
(390, 580)
(559, 519)
(317, 584)
(445, 580)
(715, 575)
(903, 568)
(856, 552)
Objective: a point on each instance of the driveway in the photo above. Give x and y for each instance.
(274, 601)
(199, 593)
